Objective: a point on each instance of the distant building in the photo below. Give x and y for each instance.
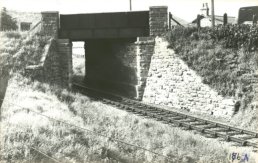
(25, 20)
(206, 18)
(25, 26)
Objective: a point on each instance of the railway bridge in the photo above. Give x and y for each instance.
(122, 57)
(118, 47)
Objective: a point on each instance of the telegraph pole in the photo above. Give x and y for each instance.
(130, 5)
(212, 14)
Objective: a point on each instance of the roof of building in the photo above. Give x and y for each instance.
(29, 17)
(175, 20)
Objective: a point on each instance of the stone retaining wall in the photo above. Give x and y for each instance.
(145, 50)
(115, 63)
(55, 66)
(170, 82)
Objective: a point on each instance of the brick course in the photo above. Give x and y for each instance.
(50, 23)
(158, 20)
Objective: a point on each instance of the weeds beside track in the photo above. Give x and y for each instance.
(188, 122)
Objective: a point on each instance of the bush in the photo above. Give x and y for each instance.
(7, 22)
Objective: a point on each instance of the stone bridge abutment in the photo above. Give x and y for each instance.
(134, 65)
(115, 64)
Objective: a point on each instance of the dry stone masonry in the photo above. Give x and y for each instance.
(55, 66)
(112, 63)
(121, 64)
(64, 50)
(170, 82)
(143, 69)
(145, 49)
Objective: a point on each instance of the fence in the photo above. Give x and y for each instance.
(36, 28)
(96, 133)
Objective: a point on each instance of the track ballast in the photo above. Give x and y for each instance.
(188, 122)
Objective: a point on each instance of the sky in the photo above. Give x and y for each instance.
(185, 9)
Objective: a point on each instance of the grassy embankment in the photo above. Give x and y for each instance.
(9, 45)
(227, 60)
(18, 50)
(21, 130)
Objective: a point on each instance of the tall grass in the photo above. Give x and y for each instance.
(9, 45)
(23, 129)
(18, 50)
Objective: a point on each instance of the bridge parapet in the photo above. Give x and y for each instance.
(50, 23)
(158, 20)
(113, 56)
(108, 25)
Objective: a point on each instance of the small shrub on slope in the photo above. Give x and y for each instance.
(7, 22)
(21, 48)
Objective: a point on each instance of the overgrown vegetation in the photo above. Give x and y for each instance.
(7, 23)
(22, 129)
(9, 45)
(226, 57)
(18, 50)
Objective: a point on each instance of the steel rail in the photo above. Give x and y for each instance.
(45, 155)
(171, 117)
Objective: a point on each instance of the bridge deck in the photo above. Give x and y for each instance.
(104, 25)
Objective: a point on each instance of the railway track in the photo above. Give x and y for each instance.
(187, 122)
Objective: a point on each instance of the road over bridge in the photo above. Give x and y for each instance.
(104, 25)
(118, 47)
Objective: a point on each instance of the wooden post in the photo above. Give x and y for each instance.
(169, 20)
(198, 21)
(254, 19)
(212, 14)
(130, 5)
(225, 19)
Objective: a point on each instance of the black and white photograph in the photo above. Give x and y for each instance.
(128, 81)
